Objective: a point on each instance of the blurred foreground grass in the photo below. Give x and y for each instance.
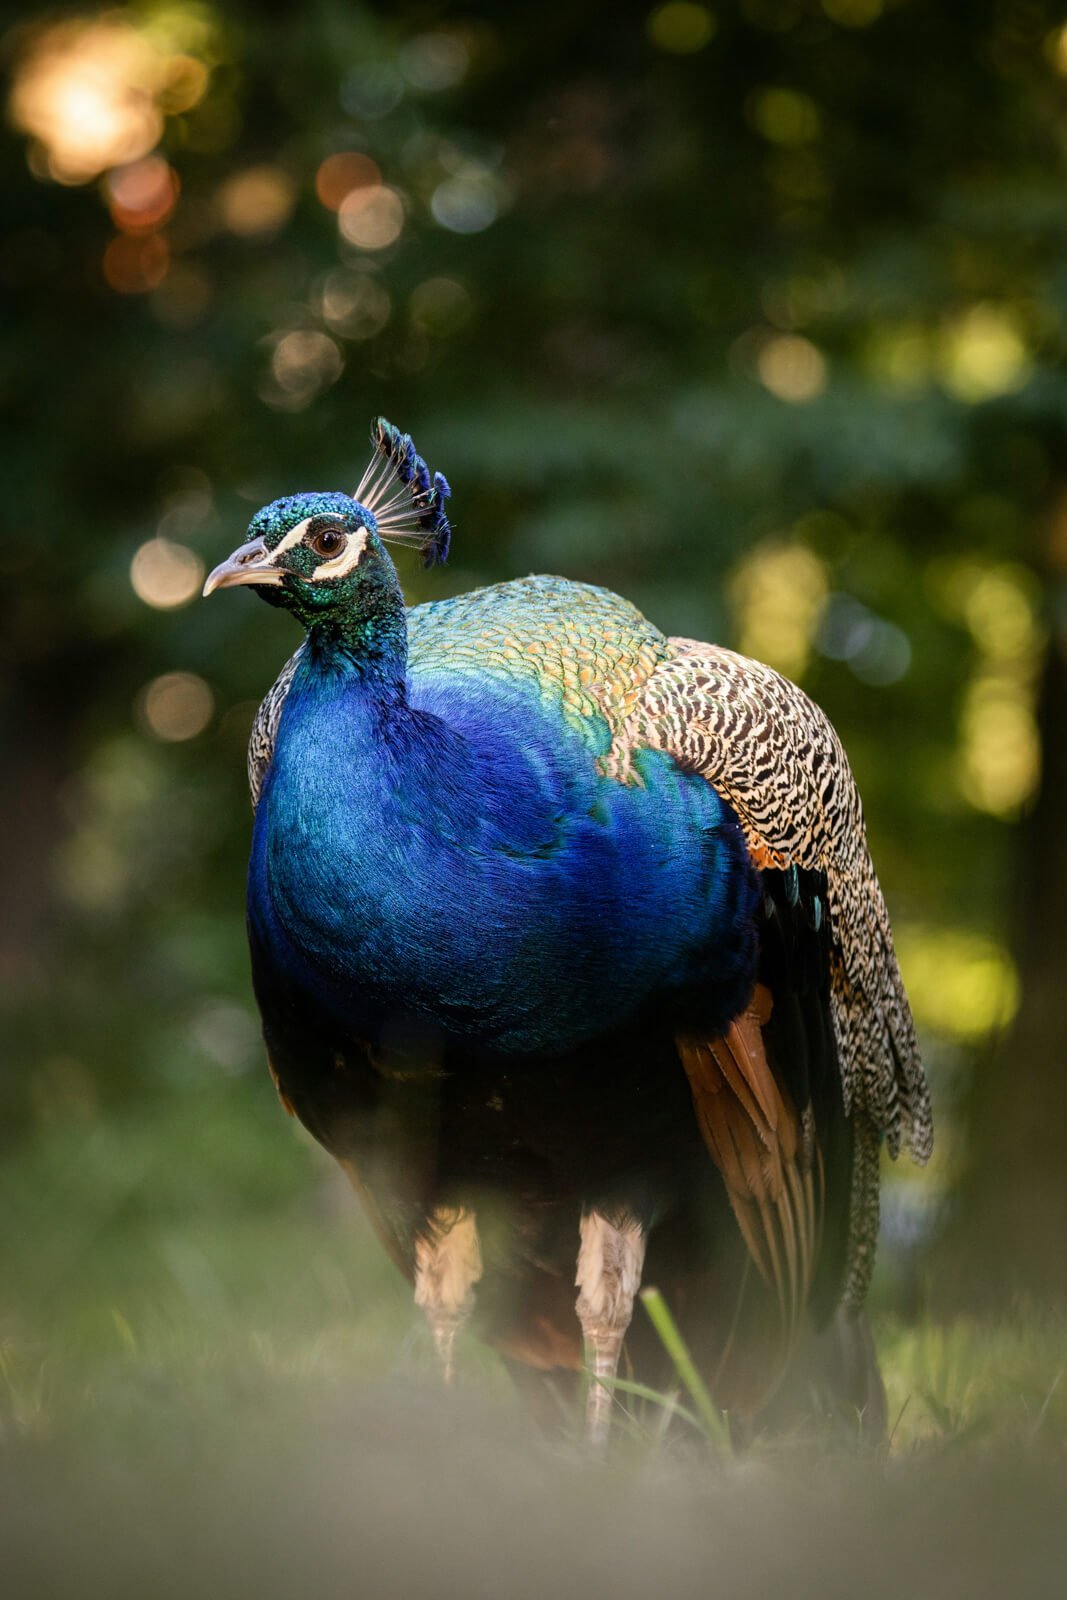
(235, 1397)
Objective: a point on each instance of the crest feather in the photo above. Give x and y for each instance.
(405, 498)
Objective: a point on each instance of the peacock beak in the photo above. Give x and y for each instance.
(250, 563)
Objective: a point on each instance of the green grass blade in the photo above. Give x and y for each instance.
(642, 1391)
(712, 1419)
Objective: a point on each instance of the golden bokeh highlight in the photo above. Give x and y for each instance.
(983, 354)
(978, 355)
(184, 86)
(176, 706)
(959, 983)
(371, 218)
(166, 575)
(340, 174)
(86, 91)
(681, 28)
(999, 741)
(93, 93)
(298, 353)
(1001, 745)
(999, 604)
(777, 595)
(353, 304)
(256, 202)
(303, 363)
(792, 368)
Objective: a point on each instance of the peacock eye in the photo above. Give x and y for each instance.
(327, 542)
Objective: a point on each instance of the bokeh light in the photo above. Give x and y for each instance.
(176, 706)
(165, 574)
(777, 595)
(784, 116)
(86, 91)
(999, 742)
(999, 603)
(257, 202)
(372, 91)
(984, 354)
(371, 218)
(468, 201)
(340, 174)
(875, 650)
(681, 27)
(93, 92)
(959, 983)
(298, 354)
(354, 304)
(302, 364)
(1001, 748)
(792, 368)
(185, 79)
(142, 196)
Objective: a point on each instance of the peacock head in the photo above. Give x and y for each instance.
(322, 553)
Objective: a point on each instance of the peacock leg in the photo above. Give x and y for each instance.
(610, 1259)
(448, 1263)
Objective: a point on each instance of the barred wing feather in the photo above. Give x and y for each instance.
(773, 755)
(264, 733)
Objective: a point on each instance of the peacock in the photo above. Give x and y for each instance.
(569, 948)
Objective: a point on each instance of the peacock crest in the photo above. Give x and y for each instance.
(405, 498)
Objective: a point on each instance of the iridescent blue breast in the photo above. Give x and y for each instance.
(465, 860)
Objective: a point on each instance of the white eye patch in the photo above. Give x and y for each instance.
(340, 566)
(293, 537)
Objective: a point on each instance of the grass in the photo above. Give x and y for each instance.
(212, 1381)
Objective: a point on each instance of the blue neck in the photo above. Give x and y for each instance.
(365, 642)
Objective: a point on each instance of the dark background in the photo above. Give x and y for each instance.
(755, 312)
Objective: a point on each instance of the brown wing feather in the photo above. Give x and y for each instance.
(752, 1132)
(773, 755)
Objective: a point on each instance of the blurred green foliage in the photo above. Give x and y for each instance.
(754, 312)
